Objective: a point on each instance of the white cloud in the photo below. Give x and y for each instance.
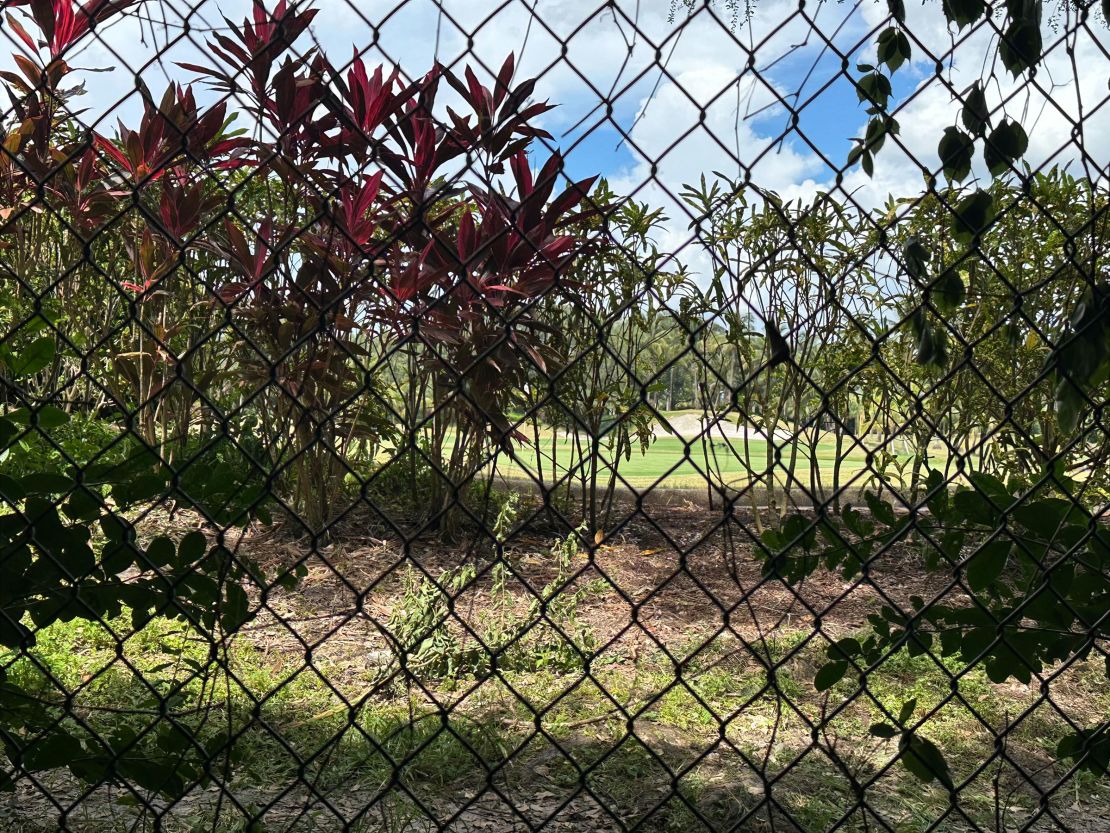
(676, 145)
(586, 51)
(1048, 106)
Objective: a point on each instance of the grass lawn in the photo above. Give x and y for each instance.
(674, 463)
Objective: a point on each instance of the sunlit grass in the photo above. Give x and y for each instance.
(672, 461)
(281, 710)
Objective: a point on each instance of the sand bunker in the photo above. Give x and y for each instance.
(691, 426)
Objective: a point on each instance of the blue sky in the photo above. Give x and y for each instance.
(655, 66)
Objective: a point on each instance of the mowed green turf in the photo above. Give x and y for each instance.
(671, 462)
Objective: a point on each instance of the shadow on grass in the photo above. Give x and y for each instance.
(712, 749)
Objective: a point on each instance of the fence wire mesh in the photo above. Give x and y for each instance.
(388, 449)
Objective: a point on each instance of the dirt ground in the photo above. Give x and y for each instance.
(677, 573)
(673, 584)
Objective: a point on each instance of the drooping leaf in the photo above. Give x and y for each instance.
(917, 258)
(949, 292)
(54, 750)
(1006, 144)
(975, 114)
(893, 48)
(46, 483)
(236, 608)
(973, 214)
(191, 548)
(1020, 47)
(964, 12)
(874, 88)
(1089, 748)
(956, 150)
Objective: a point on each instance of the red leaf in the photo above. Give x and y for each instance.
(109, 148)
(466, 237)
(522, 173)
(570, 198)
(17, 27)
(231, 291)
(504, 77)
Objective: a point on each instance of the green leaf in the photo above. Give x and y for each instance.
(83, 505)
(1090, 748)
(46, 483)
(843, 648)
(160, 552)
(49, 416)
(897, 9)
(8, 432)
(856, 522)
(1006, 144)
(115, 529)
(856, 153)
(51, 752)
(173, 739)
(916, 258)
(926, 346)
(976, 115)
(139, 489)
(1069, 405)
(992, 487)
(893, 48)
(191, 548)
(973, 214)
(976, 508)
(881, 510)
(1049, 517)
(964, 12)
(15, 634)
(932, 347)
(236, 608)
(974, 642)
(956, 150)
(37, 355)
(830, 674)
(1005, 663)
(919, 644)
(875, 136)
(161, 776)
(986, 565)
(1020, 48)
(10, 490)
(950, 291)
(874, 88)
(116, 557)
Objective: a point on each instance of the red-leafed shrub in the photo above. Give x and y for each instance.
(284, 276)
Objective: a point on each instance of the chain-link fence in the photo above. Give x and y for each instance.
(388, 449)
